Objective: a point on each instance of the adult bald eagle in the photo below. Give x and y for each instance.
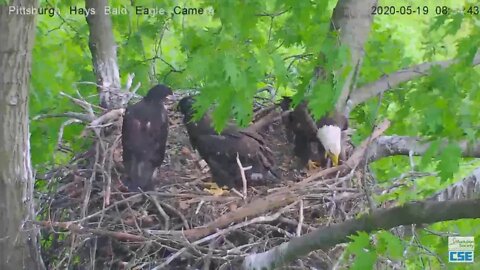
(144, 136)
(220, 150)
(327, 131)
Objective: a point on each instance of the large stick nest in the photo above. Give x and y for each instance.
(90, 221)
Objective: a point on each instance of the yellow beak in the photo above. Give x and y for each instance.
(333, 157)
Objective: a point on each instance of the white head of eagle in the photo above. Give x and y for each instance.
(331, 136)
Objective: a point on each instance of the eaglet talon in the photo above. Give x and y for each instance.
(215, 190)
(312, 165)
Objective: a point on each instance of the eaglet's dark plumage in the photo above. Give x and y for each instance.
(144, 136)
(312, 144)
(220, 150)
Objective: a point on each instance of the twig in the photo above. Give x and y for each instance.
(242, 173)
(87, 189)
(122, 236)
(178, 213)
(264, 121)
(412, 162)
(234, 190)
(79, 116)
(82, 103)
(161, 211)
(107, 117)
(129, 82)
(199, 207)
(300, 219)
(62, 128)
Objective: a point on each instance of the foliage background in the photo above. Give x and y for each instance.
(233, 53)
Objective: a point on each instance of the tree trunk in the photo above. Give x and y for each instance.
(104, 55)
(19, 248)
(353, 18)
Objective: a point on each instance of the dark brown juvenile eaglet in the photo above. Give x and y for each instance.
(220, 150)
(144, 136)
(306, 139)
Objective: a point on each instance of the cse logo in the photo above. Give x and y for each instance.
(460, 256)
(460, 249)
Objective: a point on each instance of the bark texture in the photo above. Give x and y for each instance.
(353, 19)
(386, 146)
(19, 247)
(467, 188)
(104, 56)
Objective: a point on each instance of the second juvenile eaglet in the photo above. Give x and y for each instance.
(144, 136)
(220, 150)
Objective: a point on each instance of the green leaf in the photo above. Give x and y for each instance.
(322, 99)
(455, 23)
(430, 153)
(392, 245)
(231, 70)
(449, 161)
(280, 70)
(364, 260)
(359, 242)
(221, 113)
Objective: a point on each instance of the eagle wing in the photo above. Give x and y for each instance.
(220, 151)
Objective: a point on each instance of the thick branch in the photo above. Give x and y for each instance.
(326, 237)
(121, 236)
(390, 81)
(467, 188)
(353, 20)
(104, 55)
(402, 145)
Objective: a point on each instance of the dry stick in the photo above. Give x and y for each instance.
(108, 187)
(262, 112)
(244, 178)
(178, 213)
(75, 115)
(107, 117)
(264, 121)
(160, 210)
(200, 204)
(62, 128)
(87, 190)
(82, 103)
(121, 236)
(129, 82)
(300, 219)
(238, 193)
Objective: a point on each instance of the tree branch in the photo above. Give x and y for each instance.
(104, 55)
(385, 146)
(467, 188)
(326, 237)
(390, 81)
